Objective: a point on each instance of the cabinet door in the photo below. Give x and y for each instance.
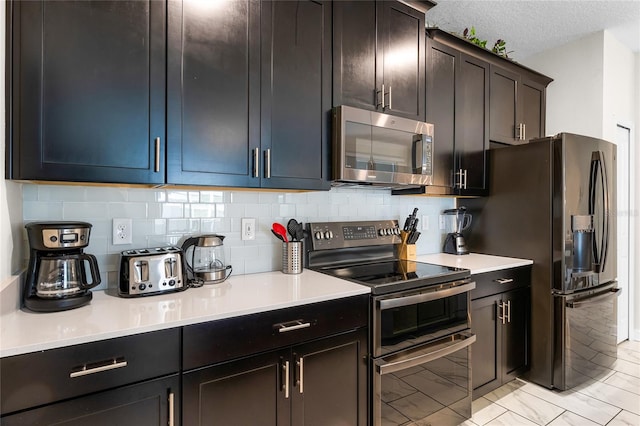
(355, 77)
(504, 105)
(516, 333)
(486, 355)
(531, 98)
(472, 123)
(88, 91)
(401, 37)
(442, 68)
(145, 404)
(245, 392)
(213, 81)
(296, 94)
(330, 381)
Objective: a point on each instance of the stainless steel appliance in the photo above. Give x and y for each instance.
(149, 271)
(204, 259)
(553, 201)
(420, 338)
(379, 149)
(57, 277)
(454, 242)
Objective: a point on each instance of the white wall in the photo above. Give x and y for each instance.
(574, 98)
(602, 72)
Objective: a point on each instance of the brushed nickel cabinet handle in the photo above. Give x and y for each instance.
(292, 325)
(267, 163)
(286, 379)
(171, 409)
(111, 365)
(301, 374)
(508, 315)
(157, 155)
(256, 162)
(504, 280)
(524, 131)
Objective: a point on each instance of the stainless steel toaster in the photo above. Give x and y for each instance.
(145, 272)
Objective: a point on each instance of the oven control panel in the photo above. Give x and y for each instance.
(333, 235)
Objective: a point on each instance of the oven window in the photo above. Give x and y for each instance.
(424, 321)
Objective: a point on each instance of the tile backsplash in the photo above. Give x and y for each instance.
(167, 216)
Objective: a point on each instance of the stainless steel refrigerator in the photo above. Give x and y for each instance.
(553, 201)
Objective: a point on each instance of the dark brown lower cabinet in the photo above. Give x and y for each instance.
(151, 403)
(501, 325)
(322, 382)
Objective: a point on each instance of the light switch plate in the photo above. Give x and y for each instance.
(248, 231)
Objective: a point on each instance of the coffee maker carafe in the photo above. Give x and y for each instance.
(204, 258)
(454, 241)
(57, 278)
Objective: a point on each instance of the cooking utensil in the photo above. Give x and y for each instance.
(279, 229)
(278, 236)
(296, 230)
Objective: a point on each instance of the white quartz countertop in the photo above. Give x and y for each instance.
(109, 316)
(477, 263)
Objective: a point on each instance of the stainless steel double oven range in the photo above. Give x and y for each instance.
(420, 338)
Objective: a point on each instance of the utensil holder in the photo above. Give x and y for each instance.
(406, 251)
(292, 257)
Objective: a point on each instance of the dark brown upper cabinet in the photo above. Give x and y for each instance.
(518, 104)
(379, 57)
(457, 104)
(87, 91)
(249, 94)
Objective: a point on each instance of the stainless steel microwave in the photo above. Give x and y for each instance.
(380, 149)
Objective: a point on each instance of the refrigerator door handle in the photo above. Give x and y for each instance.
(595, 299)
(597, 173)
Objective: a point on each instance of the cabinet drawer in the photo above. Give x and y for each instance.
(222, 340)
(43, 377)
(496, 282)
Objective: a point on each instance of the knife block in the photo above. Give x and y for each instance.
(406, 251)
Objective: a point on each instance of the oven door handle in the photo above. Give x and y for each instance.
(425, 297)
(410, 359)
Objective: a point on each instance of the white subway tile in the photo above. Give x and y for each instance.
(257, 210)
(212, 196)
(172, 210)
(61, 193)
(84, 211)
(245, 197)
(177, 196)
(128, 210)
(203, 210)
(177, 226)
(29, 192)
(194, 197)
(100, 193)
(41, 210)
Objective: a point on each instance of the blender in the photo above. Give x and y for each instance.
(454, 241)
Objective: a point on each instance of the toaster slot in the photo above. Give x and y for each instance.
(141, 271)
(170, 267)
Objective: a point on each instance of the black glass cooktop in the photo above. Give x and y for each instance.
(397, 275)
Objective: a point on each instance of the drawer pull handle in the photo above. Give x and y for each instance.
(112, 365)
(504, 280)
(290, 326)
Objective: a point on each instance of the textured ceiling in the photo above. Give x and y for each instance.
(532, 26)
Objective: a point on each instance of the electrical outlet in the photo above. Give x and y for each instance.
(442, 223)
(248, 228)
(122, 231)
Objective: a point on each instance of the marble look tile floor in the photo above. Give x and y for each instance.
(612, 400)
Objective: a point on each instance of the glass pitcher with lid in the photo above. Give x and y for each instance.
(204, 258)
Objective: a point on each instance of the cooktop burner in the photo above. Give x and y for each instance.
(396, 275)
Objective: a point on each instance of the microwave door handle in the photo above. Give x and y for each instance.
(425, 297)
(462, 340)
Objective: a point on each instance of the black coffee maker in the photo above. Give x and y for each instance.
(454, 241)
(57, 278)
